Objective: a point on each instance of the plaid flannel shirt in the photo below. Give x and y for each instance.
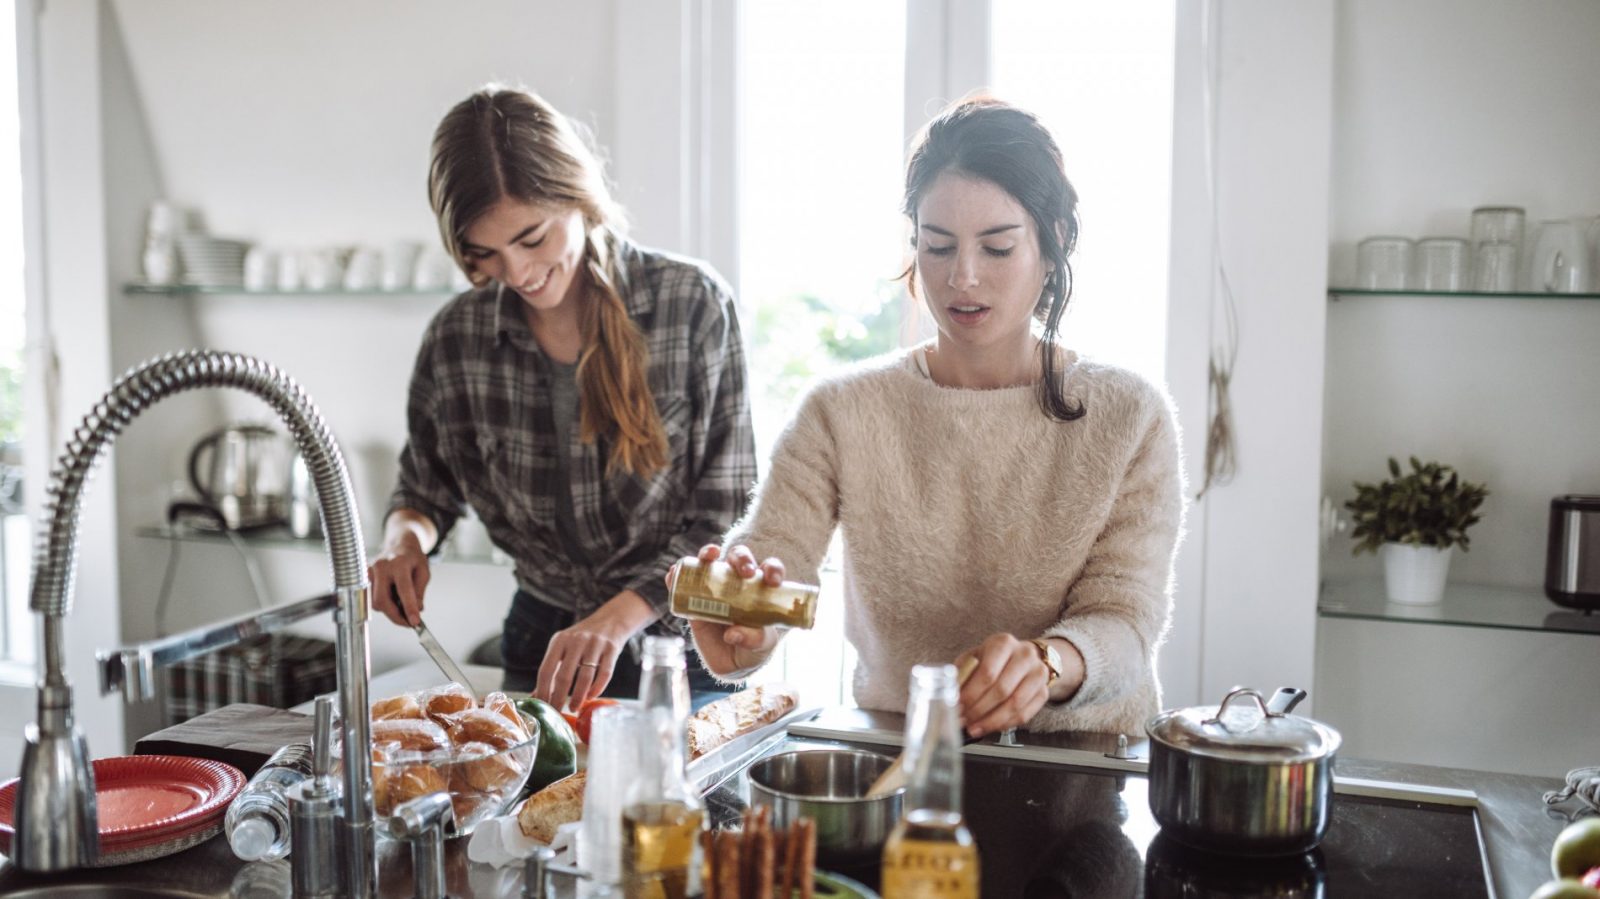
(482, 435)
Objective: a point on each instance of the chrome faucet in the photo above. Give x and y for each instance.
(55, 811)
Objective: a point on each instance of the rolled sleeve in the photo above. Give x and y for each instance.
(426, 484)
(719, 487)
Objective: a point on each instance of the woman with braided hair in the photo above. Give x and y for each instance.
(586, 399)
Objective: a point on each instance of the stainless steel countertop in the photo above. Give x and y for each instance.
(1517, 827)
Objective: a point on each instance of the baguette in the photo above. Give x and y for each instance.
(555, 805)
(738, 714)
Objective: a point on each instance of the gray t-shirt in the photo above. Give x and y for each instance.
(564, 415)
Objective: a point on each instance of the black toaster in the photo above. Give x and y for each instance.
(1572, 559)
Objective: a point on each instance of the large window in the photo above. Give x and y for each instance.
(16, 641)
(822, 240)
(1100, 76)
(821, 236)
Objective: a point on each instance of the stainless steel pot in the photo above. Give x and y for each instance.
(829, 786)
(1242, 781)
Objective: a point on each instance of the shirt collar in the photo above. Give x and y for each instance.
(509, 323)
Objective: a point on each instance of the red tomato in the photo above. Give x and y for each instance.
(586, 716)
(1592, 879)
(572, 721)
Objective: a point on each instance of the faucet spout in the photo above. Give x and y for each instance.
(55, 815)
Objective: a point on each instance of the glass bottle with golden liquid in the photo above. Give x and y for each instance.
(714, 592)
(931, 853)
(663, 815)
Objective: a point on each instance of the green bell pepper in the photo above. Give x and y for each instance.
(557, 756)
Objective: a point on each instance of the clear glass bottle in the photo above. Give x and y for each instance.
(931, 852)
(663, 815)
(715, 593)
(257, 823)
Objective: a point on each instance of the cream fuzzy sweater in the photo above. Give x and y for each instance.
(969, 512)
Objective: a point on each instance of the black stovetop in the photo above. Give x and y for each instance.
(1047, 830)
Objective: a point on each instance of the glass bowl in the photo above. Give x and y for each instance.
(482, 780)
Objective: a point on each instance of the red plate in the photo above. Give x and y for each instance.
(143, 797)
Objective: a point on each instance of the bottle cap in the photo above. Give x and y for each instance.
(252, 838)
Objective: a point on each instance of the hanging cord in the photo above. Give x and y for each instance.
(170, 574)
(1222, 459)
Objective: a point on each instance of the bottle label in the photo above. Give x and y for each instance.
(705, 606)
(930, 871)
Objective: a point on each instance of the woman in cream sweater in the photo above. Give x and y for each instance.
(999, 496)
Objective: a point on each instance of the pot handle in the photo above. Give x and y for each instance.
(1284, 701)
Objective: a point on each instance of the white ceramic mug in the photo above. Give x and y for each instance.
(260, 269)
(399, 259)
(362, 273)
(1560, 257)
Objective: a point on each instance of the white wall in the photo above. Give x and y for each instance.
(1259, 533)
(310, 125)
(1502, 113)
(1441, 106)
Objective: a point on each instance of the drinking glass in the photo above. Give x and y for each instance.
(1494, 267)
(622, 738)
(1383, 263)
(1496, 235)
(1441, 264)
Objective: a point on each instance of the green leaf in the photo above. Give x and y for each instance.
(1429, 506)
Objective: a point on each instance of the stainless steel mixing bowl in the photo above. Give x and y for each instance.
(829, 786)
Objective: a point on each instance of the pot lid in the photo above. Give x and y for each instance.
(1242, 730)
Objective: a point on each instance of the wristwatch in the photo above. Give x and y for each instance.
(1050, 657)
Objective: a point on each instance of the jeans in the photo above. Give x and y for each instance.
(528, 628)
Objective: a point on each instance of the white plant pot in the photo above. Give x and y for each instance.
(1414, 575)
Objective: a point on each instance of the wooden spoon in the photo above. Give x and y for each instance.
(895, 776)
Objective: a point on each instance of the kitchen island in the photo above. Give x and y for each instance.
(1103, 835)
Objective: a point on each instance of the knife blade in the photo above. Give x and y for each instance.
(441, 658)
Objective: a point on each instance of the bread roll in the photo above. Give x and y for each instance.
(448, 700)
(501, 704)
(403, 706)
(555, 805)
(482, 768)
(407, 782)
(485, 726)
(411, 734)
(380, 780)
(465, 805)
(721, 721)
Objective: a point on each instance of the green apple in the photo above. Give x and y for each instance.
(1577, 849)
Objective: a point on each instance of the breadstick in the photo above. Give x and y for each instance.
(727, 864)
(749, 857)
(708, 862)
(764, 858)
(808, 856)
(791, 858)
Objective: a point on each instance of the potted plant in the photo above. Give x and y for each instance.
(1413, 520)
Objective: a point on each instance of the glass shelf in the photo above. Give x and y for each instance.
(1464, 605)
(279, 536)
(1337, 293)
(141, 289)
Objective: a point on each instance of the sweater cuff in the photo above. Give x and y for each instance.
(1093, 689)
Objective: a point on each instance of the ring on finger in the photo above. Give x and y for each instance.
(594, 665)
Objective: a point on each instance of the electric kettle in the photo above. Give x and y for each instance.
(1572, 557)
(241, 471)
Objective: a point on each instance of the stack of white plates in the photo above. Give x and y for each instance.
(212, 261)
